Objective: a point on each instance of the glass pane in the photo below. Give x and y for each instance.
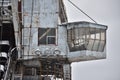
(51, 32)
(69, 36)
(91, 39)
(96, 45)
(76, 33)
(41, 36)
(42, 40)
(90, 44)
(98, 32)
(92, 33)
(97, 40)
(76, 39)
(98, 36)
(41, 31)
(73, 33)
(51, 40)
(101, 46)
(103, 36)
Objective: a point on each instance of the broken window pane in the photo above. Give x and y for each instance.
(46, 36)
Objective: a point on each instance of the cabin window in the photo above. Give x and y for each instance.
(46, 36)
(86, 38)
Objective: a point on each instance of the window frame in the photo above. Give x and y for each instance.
(56, 40)
(95, 41)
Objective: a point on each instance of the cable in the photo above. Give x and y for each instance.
(82, 11)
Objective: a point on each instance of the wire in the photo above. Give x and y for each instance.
(82, 11)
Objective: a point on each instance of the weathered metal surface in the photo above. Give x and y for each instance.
(40, 13)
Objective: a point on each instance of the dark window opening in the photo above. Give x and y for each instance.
(46, 36)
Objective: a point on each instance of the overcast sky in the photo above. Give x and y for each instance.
(105, 12)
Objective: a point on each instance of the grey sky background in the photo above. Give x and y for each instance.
(105, 12)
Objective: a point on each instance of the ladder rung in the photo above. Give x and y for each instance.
(4, 42)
